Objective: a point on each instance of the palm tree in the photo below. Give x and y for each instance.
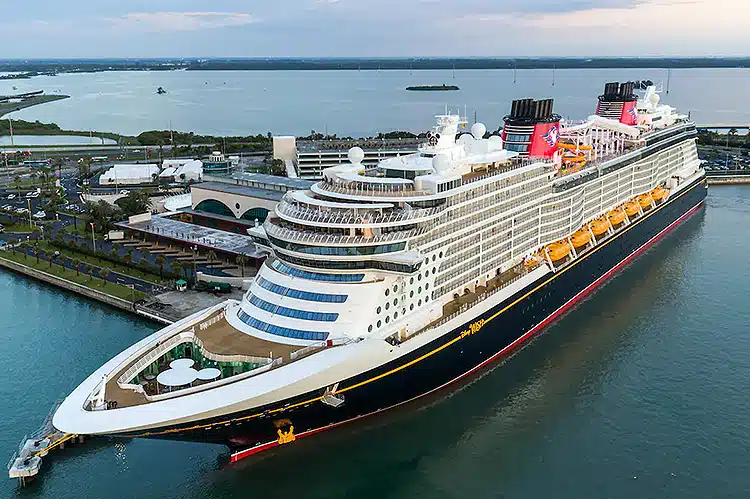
(160, 261)
(242, 261)
(17, 182)
(211, 255)
(25, 247)
(127, 259)
(36, 251)
(104, 274)
(76, 265)
(176, 267)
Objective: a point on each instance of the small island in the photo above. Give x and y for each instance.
(432, 88)
(161, 90)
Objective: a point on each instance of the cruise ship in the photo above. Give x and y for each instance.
(385, 284)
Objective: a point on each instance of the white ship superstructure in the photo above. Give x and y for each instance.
(373, 270)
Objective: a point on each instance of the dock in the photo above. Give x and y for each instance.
(26, 463)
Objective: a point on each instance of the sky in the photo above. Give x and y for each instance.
(375, 28)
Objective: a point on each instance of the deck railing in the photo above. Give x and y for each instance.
(354, 216)
(338, 240)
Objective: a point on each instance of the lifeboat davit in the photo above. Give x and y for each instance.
(659, 193)
(558, 250)
(599, 226)
(616, 216)
(645, 200)
(580, 238)
(631, 208)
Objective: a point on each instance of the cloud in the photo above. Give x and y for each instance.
(181, 21)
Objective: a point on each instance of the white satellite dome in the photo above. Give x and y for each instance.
(465, 139)
(654, 98)
(496, 143)
(441, 163)
(478, 130)
(356, 155)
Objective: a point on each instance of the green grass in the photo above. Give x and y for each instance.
(21, 228)
(109, 288)
(122, 269)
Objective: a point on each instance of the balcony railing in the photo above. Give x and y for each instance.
(354, 216)
(373, 190)
(315, 238)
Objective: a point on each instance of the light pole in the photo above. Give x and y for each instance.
(93, 241)
(195, 265)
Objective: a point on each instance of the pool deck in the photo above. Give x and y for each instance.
(219, 338)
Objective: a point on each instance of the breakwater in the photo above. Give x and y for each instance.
(83, 290)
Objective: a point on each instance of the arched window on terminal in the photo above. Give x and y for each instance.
(253, 213)
(215, 207)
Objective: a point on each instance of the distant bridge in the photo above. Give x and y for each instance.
(722, 126)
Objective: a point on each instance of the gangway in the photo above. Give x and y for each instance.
(26, 463)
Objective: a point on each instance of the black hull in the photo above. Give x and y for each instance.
(453, 356)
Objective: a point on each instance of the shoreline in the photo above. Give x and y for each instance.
(32, 68)
(80, 290)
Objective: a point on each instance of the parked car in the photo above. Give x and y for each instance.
(22, 211)
(11, 196)
(39, 215)
(33, 194)
(2, 229)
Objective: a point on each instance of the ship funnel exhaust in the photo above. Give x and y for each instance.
(531, 129)
(618, 102)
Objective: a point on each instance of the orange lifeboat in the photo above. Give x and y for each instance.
(645, 200)
(599, 226)
(558, 250)
(532, 261)
(616, 216)
(580, 238)
(659, 193)
(631, 208)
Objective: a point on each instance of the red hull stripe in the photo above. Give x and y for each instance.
(505, 351)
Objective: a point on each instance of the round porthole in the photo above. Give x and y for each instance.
(369, 328)
(379, 310)
(380, 323)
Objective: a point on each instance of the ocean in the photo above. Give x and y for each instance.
(352, 103)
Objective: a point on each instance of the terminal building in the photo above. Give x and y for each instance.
(221, 211)
(310, 158)
(236, 203)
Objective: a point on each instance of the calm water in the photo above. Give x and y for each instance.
(42, 140)
(641, 391)
(350, 102)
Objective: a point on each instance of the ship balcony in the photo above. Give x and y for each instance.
(354, 217)
(322, 239)
(386, 190)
